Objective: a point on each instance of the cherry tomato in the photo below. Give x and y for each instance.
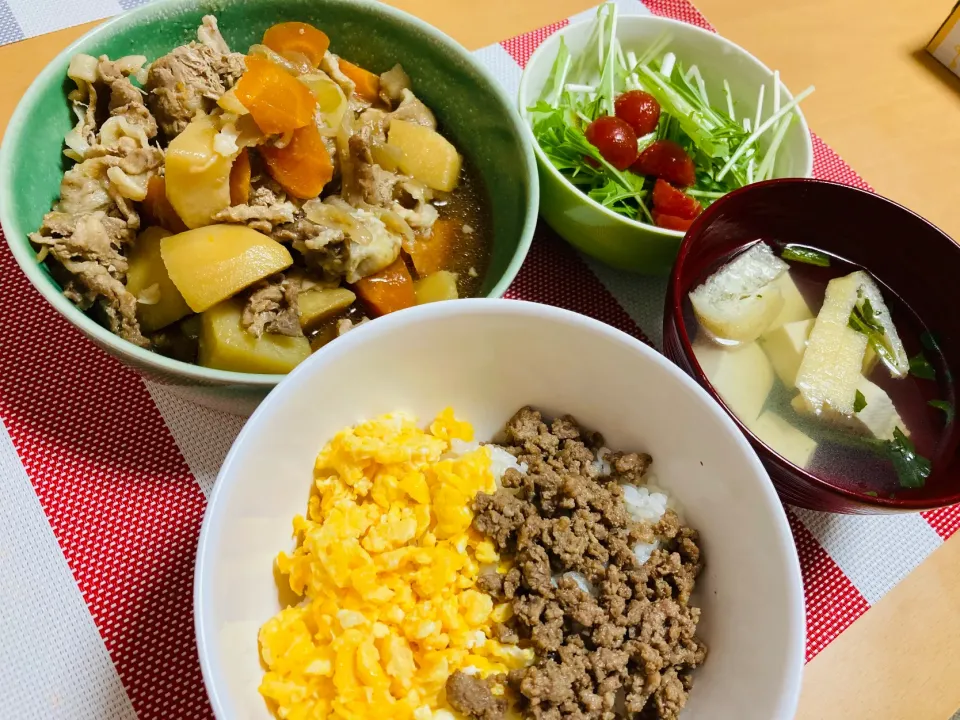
(666, 159)
(615, 140)
(640, 110)
(670, 201)
(671, 222)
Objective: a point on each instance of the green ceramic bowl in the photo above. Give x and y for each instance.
(602, 233)
(472, 109)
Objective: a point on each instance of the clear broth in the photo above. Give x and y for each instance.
(839, 457)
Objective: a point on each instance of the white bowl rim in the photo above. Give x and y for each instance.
(155, 362)
(540, 52)
(765, 493)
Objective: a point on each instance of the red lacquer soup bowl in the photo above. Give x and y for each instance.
(917, 267)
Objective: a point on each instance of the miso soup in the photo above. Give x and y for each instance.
(825, 365)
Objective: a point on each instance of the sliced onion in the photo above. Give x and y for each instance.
(76, 140)
(274, 57)
(142, 74)
(132, 187)
(83, 67)
(322, 127)
(130, 64)
(248, 132)
(284, 140)
(336, 213)
(393, 82)
(393, 222)
(149, 295)
(118, 127)
(231, 103)
(299, 60)
(331, 102)
(348, 172)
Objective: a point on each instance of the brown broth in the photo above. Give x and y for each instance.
(840, 457)
(469, 205)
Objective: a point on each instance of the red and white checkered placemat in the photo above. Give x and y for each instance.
(105, 479)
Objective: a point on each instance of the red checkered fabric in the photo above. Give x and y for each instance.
(831, 600)
(521, 47)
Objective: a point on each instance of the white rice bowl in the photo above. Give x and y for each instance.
(756, 639)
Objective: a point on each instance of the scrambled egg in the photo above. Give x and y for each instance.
(387, 563)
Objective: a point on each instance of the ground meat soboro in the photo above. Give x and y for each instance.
(628, 647)
(472, 696)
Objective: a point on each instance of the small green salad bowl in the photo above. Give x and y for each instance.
(636, 244)
(471, 107)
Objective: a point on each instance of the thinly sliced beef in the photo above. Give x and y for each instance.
(126, 100)
(191, 78)
(95, 219)
(341, 241)
(89, 249)
(263, 218)
(374, 185)
(272, 307)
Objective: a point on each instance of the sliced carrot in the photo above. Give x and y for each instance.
(157, 210)
(304, 166)
(368, 84)
(297, 37)
(240, 179)
(434, 252)
(277, 101)
(389, 290)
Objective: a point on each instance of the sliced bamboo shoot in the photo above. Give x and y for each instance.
(831, 366)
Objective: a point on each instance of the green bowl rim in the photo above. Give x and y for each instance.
(154, 11)
(543, 161)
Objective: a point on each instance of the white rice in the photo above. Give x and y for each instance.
(579, 578)
(501, 461)
(643, 505)
(643, 551)
(581, 582)
(654, 486)
(600, 464)
(462, 447)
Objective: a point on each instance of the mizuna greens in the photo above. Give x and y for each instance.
(725, 149)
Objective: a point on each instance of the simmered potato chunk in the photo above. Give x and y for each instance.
(322, 303)
(160, 303)
(212, 263)
(225, 345)
(441, 285)
(197, 177)
(425, 154)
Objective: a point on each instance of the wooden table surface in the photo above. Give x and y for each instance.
(894, 114)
